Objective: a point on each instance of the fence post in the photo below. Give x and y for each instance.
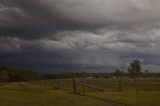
(74, 84)
(83, 78)
(136, 85)
(120, 84)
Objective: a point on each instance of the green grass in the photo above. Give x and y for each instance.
(59, 93)
(16, 95)
(145, 98)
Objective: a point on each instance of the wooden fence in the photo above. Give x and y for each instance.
(75, 83)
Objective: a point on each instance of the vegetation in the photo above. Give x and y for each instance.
(119, 74)
(15, 94)
(20, 87)
(14, 74)
(135, 69)
(58, 92)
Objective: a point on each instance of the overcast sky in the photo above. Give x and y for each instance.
(79, 35)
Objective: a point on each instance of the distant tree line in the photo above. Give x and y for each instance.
(8, 74)
(14, 74)
(69, 75)
(96, 75)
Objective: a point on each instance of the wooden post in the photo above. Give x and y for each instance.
(136, 85)
(74, 84)
(83, 79)
(120, 84)
(58, 85)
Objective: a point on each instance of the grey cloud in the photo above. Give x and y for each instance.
(9, 45)
(151, 68)
(37, 18)
(79, 34)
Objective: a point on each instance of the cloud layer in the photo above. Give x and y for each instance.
(79, 35)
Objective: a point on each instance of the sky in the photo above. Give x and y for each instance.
(79, 35)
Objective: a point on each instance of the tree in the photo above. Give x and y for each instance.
(118, 74)
(135, 69)
(3, 68)
(146, 71)
(4, 76)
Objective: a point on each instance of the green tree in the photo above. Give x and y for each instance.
(4, 76)
(118, 73)
(135, 69)
(3, 68)
(146, 71)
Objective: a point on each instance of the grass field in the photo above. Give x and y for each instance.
(59, 93)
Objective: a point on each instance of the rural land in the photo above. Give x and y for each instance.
(28, 88)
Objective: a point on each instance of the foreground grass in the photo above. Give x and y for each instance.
(17, 95)
(145, 98)
(58, 93)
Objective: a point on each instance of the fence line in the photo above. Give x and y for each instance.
(74, 85)
(92, 86)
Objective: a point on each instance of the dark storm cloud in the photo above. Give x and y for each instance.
(79, 35)
(27, 19)
(49, 62)
(38, 18)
